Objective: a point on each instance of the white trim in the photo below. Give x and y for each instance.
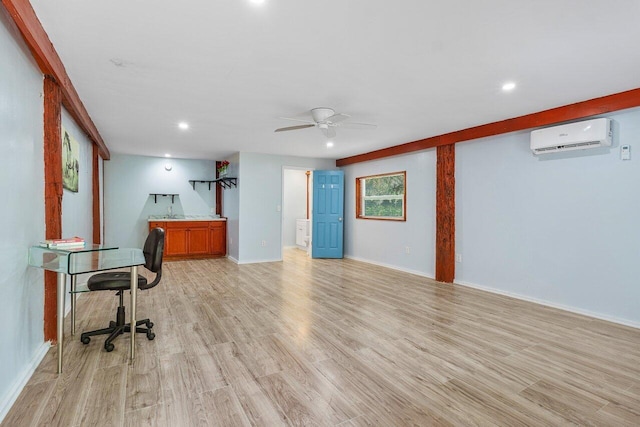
(10, 398)
(233, 259)
(392, 267)
(546, 303)
(258, 261)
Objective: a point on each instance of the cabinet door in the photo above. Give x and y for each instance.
(218, 238)
(198, 239)
(176, 241)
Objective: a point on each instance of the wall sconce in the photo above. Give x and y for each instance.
(168, 167)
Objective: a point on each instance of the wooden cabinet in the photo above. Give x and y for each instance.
(193, 239)
(175, 241)
(218, 238)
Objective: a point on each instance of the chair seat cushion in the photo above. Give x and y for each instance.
(115, 281)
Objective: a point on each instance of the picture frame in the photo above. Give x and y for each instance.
(70, 162)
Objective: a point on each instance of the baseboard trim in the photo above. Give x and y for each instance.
(258, 261)
(551, 304)
(392, 267)
(571, 309)
(233, 259)
(7, 402)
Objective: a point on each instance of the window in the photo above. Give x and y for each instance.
(381, 196)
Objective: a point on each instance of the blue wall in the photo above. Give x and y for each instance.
(560, 229)
(128, 180)
(22, 214)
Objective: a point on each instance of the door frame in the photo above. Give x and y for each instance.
(282, 197)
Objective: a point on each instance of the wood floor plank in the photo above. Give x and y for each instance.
(223, 408)
(32, 402)
(572, 404)
(106, 397)
(335, 343)
(144, 381)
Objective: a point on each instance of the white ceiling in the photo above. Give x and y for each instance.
(416, 68)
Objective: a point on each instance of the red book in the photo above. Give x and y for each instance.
(75, 239)
(71, 242)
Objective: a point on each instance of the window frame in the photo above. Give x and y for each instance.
(360, 199)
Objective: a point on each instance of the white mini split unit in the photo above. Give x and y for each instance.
(573, 136)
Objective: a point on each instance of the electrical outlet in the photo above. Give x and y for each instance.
(263, 243)
(407, 250)
(458, 257)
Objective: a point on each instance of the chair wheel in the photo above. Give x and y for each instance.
(85, 340)
(109, 347)
(150, 335)
(149, 325)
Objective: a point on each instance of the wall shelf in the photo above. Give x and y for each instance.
(155, 196)
(224, 182)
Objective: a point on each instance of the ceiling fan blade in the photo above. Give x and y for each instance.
(298, 120)
(337, 118)
(355, 125)
(293, 128)
(329, 132)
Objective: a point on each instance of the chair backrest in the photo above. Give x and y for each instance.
(153, 249)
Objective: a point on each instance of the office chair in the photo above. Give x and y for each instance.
(120, 282)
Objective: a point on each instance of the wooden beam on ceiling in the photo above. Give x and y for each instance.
(50, 64)
(579, 110)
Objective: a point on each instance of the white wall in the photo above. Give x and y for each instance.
(260, 195)
(128, 180)
(22, 215)
(561, 229)
(385, 242)
(77, 208)
(231, 209)
(294, 203)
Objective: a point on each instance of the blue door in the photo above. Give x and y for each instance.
(328, 214)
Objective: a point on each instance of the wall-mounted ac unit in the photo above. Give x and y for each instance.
(573, 136)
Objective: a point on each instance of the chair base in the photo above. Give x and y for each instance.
(117, 328)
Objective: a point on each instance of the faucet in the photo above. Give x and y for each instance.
(170, 212)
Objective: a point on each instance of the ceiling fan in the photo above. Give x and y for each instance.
(327, 120)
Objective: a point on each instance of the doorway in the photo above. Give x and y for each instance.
(297, 193)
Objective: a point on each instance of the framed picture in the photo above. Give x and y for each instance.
(70, 164)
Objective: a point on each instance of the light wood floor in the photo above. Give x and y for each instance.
(336, 342)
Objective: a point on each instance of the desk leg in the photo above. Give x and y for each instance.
(73, 304)
(132, 316)
(62, 284)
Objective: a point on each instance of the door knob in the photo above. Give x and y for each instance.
(340, 219)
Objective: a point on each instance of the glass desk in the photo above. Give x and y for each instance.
(88, 259)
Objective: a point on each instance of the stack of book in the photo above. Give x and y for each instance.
(69, 243)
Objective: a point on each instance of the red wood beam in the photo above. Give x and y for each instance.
(96, 194)
(592, 107)
(52, 194)
(445, 213)
(50, 64)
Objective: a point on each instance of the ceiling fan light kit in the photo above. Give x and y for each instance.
(326, 119)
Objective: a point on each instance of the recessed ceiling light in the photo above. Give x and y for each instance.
(329, 144)
(167, 155)
(183, 125)
(508, 86)
(257, 1)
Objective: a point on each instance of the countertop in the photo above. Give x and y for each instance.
(185, 218)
